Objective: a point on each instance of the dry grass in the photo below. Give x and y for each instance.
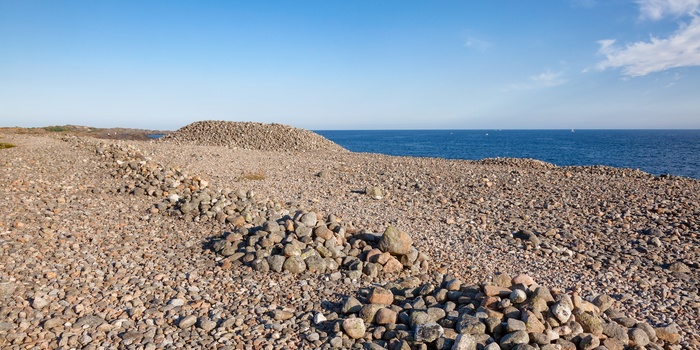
(4, 145)
(254, 175)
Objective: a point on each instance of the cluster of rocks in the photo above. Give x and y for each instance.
(266, 235)
(300, 243)
(251, 135)
(507, 313)
(517, 162)
(182, 195)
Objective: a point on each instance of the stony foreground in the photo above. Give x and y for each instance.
(90, 261)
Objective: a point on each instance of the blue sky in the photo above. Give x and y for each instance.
(352, 64)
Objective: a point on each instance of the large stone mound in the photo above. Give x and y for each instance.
(251, 135)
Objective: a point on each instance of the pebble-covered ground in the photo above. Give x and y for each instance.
(87, 264)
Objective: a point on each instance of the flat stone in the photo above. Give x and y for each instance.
(496, 291)
(53, 323)
(523, 279)
(187, 322)
(91, 321)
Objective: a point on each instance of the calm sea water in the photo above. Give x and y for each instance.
(675, 152)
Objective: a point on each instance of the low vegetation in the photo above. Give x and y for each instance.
(254, 176)
(4, 145)
(56, 128)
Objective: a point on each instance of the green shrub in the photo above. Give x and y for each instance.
(56, 128)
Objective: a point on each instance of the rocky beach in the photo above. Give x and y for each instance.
(251, 236)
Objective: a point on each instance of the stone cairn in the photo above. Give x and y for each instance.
(253, 136)
(507, 313)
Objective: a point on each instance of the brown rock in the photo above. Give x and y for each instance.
(523, 279)
(323, 232)
(385, 316)
(392, 266)
(395, 241)
(381, 295)
(532, 323)
(669, 334)
(373, 256)
(502, 280)
(496, 291)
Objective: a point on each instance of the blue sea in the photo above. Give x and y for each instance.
(674, 152)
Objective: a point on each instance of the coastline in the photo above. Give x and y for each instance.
(596, 223)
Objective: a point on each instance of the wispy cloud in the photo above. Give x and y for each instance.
(543, 80)
(477, 43)
(657, 9)
(680, 49)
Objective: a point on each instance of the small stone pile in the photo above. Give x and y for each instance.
(266, 235)
(253, 136)
(188, 196)
(300, 242)
(507, 313)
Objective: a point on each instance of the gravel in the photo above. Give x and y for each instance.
(89, 260)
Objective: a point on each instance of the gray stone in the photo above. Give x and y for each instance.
(53, 323)
(464, 342)
(638, 337)
(295, 265)
(260, 265)
(309, 219)
(315, 264)
(354, 328)
(513, 325)
(39, 303)
(510, 340)
(206, 324)
(91, 321)
(187, 322)
(427, 332)
(351, 306)
(470, 325)
(276, 262)
(561, 310)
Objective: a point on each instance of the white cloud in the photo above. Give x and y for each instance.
(543, 80)
(680, 49)
(657, 9)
